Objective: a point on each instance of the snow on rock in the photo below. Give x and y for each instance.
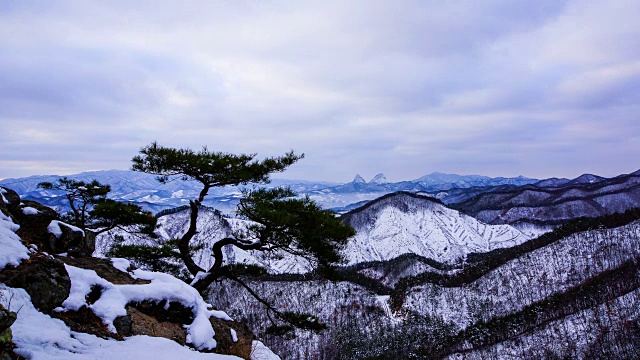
(54, 228)
(234, 335)
(114, 299)
(39, 337)
(28, 210)
(12, 250)
(2, 192)
(121, 264)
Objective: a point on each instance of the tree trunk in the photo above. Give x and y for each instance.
(183, 245)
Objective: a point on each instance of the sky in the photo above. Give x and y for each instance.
(543, 88)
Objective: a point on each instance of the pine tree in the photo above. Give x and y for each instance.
(82, 197)
(281, 221)
(92, 212)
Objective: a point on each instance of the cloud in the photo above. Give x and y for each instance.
(496, 87)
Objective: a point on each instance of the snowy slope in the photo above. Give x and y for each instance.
(527, 279)
(212, 227)
(394, 225)
(406, 223)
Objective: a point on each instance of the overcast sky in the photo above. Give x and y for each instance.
(500, 88)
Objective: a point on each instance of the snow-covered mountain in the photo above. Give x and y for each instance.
(397, 224)
(579, 286)
(379, 179)
(403, 223)
(414, 298)
(144, 190)
(554, 201)
(358, 179)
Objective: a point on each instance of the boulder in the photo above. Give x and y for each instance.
(34, 219)
(84, 320)
(65, 238)
(158, 319)
(9, 200)
(36, 224)
(138, 323)
(155, 319)
(45, 279)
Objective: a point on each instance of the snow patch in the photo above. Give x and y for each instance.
(199, 276)
(114, 298)
(13, 251)
(58, 342)
(234, 336)
(121, 264)
(54, 228)
(30, 211)
(2, 192)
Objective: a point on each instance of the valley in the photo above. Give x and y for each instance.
(492, 269)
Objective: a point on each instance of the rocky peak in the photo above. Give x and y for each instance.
(358, 180)
(379, 179)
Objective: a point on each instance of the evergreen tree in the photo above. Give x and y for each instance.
(281, 222)
(82, 197)
(92, 212)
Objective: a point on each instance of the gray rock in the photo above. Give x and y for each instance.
(46, 280)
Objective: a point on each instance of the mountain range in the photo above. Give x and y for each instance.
(554, 201)
(396, 224)
(143, 189)
(474, 268)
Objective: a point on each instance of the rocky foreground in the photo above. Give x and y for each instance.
(56, 303)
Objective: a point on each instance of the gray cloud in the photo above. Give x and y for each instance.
(501, 88)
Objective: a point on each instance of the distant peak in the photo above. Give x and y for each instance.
(379, 179)
(587, 178)
(358, 180)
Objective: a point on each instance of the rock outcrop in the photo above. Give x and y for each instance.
(37, 222)
(43, 278)
(46, 279)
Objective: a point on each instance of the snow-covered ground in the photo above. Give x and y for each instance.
(38, 336)
(12, 249)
